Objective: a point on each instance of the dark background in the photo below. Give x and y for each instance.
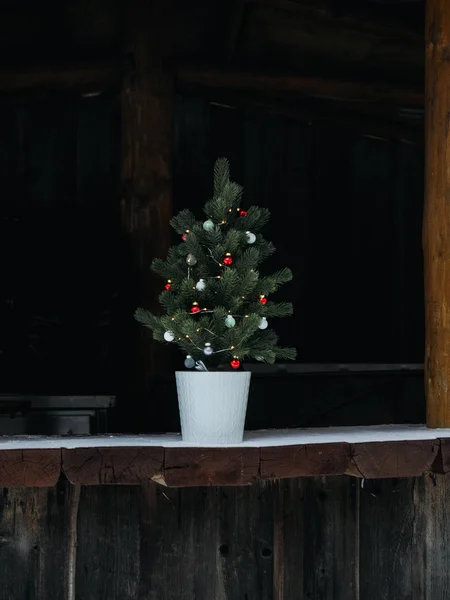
(346, 218)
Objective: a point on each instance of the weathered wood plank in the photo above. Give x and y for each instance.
(246, 548)
(304, 461)
(387, 559)
(394, 459)
(210, 466)
(37, 468)
(431, 576)
(436, 218)
(146, 167)
(442, 462)
(32, 542)
(94, 76)
(316, 539)
(130, 466)
(108, 544)
(373, 125)
(205, 543)
(282, 84)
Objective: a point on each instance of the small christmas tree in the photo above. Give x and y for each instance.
(216, 302)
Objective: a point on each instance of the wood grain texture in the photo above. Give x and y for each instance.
(210, 466)
(39, 468)
(387, 555)
(108, 563)
(431, 578)
(235, 466)
(396, 459)
(436, 219)
(96, 466)
(316, 539)
(205, 543)
(32, 542)
(442, 462)
(327, 538)
(146, 101)
(304, 461)
(281, 84)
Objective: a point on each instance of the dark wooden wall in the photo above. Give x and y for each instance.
(61, 254)
(318, 539)
(346, 217)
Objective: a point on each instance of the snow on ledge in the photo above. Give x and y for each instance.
(252, 439)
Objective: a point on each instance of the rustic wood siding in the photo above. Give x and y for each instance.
(315, 538)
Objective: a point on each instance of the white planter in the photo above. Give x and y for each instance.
(212, 406)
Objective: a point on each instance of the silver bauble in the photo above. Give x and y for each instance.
(189, 363)
(230, 321)
(191, 260)
(208, 225)
(263, 324)
(207, 351)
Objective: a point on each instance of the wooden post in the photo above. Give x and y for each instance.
(436, 223)
(146, 169)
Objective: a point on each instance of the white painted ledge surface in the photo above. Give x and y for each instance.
(263, 438)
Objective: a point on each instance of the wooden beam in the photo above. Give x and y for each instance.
(146, 167)
(367, 125)
(282, 85)
(436, 219)
(94, 76)
(124, 466)
(364, 452)
(30, 468)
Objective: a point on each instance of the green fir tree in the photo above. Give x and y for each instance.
(215, 300)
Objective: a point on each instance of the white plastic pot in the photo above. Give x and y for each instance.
(212, 406)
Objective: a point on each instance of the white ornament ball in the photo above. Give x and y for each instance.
(200, 285)
(251, 237)
(207, 351)
(230, 321)
(189, 363)
(263, 324)
(191, 260)
(168, 336)
(208, 225)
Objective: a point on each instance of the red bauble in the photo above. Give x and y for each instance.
(167, 286)
(183, 237)
(263, 300)
(195, 309)
(243, 213)
(235, 363)
(227, 260)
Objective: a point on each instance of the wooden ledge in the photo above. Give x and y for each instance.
(365, 452)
